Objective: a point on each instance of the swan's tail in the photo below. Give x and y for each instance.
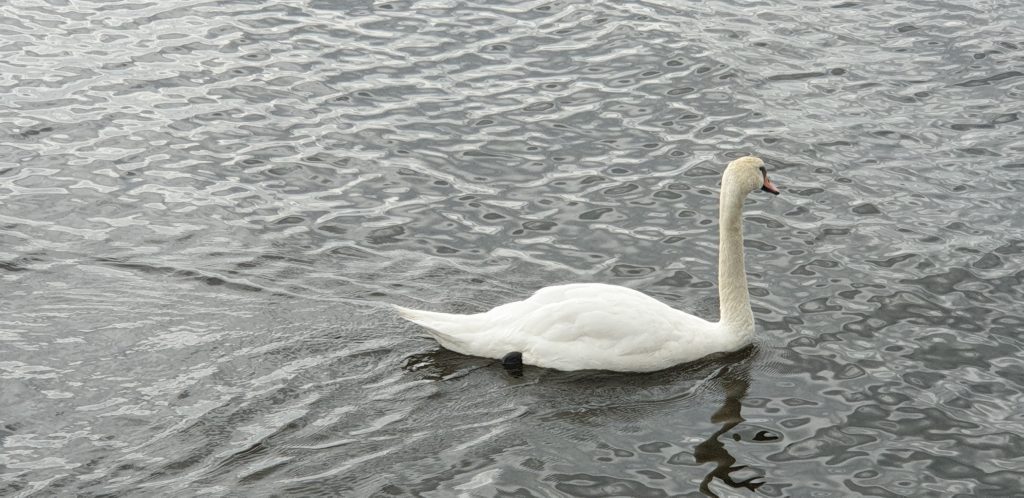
(452, 331)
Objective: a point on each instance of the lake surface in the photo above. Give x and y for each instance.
(205, 207)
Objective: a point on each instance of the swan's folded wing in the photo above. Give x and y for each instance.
(602, 328)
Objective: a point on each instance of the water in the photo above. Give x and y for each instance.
(205, 206)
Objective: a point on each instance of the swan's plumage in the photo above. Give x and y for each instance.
(609, 327)
(577, 327)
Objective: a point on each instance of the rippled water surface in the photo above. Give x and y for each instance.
(206, 206)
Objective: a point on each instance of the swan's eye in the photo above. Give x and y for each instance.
(764, 172)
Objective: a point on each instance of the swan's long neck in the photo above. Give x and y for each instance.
(735, 314)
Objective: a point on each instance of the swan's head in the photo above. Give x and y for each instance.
(749, 172)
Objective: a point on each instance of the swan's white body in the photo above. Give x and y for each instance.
(609, 327)
(582, 326)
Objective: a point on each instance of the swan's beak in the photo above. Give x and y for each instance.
(769, 186)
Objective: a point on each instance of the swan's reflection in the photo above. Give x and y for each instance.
(734, 382)
(564, 393)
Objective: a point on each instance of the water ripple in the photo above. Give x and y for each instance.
(205, 205)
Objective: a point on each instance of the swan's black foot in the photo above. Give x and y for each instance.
(513, 363)
(512, 360)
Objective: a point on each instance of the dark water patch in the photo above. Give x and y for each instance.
(624, 270)
(595, 214)
(795, 76)
(990, 79)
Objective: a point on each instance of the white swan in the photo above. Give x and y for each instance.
(608, 327)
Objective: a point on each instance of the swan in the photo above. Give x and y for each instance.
(609, 327)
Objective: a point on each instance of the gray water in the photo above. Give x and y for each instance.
(207, 205)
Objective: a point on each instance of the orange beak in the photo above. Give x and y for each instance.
(769, 186)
